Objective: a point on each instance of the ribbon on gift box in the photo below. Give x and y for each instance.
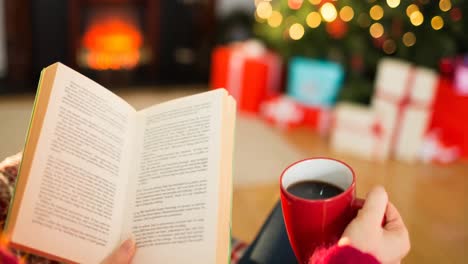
(285, 112)
(402, 104)
(375, 129)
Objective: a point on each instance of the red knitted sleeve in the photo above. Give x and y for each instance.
(341, 255)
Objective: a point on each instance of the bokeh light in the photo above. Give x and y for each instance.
(346, 13)
(313, 19)
(393, 3)
(411, 9)
(445, 5)
(295, 4)
(376, 30)
(328, 12)
(437, 22)
(409, 39)
(456, 14)
(275, 19)
(296, 31)
(264, 10)
(389, 46)
(417, 18)
(315, 2)
(376, 12)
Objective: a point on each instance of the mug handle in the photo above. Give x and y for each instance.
(357, 205)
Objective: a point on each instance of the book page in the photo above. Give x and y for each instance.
(174, 188)
(72, 204)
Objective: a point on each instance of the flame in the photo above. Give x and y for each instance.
(112, 43)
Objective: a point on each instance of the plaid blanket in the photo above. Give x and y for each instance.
(8, 174)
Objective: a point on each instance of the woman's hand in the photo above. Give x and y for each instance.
(390, 243)
(123, 254)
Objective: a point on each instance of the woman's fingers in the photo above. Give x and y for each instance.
(393, 217)
(123, 254)
(374, 207)
(395, 231)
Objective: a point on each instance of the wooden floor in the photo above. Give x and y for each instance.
(433, 200)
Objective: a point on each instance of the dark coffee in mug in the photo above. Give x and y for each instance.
(314, 190)
(329, 203)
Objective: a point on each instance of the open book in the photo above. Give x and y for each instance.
(95, 170)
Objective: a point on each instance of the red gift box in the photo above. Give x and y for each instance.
(285, 112)
(248, 71)
(448, 127)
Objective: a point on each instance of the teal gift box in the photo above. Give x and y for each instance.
(314, 82)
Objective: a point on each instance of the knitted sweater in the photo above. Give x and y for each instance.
(341, 255)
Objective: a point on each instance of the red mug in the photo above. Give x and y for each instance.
(314, 223)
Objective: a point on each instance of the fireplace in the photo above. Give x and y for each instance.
(115, 42)
(113, 39)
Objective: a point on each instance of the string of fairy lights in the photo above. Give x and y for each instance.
(327, 12)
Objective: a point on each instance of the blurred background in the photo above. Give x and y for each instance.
(121, 42)
(380, 84)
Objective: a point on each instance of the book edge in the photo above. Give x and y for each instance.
(39, 111)
(225, 208)
(17, 191)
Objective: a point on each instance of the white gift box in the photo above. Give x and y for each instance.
(357, 130)
(403, 99)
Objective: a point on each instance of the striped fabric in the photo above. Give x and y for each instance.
(238, 249)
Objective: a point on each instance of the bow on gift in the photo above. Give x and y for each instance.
(283, 111)
(433, 150)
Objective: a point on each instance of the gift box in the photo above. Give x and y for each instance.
(456, 68)
(314, 82)
(404, 98)
(287, 113)
(461, 76)
(248, 71)
(435, 150)
(447, 138)
(357, 130)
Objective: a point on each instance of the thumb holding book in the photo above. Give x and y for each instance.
(123, 254)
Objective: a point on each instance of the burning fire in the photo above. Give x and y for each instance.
(112, 43)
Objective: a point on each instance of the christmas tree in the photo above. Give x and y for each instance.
(357, 34)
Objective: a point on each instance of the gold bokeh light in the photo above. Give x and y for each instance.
(393, 3)
(313, 19)
(296, 31)
(411, 9)
(417, 18)
(445, 5)
(376, 12)
(264, 10)
(376, 30)
(437, 22)
(409, 39)
(346, 13)
(328, 12)
(275, 19)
